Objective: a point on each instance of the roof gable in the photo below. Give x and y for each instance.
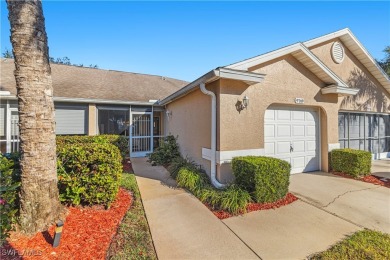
(302, 54)
(358, 50)
(307, 58)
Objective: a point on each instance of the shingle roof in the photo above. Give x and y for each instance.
(79, 82)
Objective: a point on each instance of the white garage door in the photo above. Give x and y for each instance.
(292, 134)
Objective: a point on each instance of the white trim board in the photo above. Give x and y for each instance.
(227, 156)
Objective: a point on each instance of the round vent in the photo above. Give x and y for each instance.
(338, 52)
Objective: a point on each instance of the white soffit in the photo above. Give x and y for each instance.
(351, 42)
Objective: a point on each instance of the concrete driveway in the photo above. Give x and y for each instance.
(328, 209)
(360, 203)
(381, 168)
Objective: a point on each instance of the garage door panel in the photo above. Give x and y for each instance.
(269, 131)
(298, 115)
(298, 130)
(311, 163)
(283, 130)
(283, 115)
(310, 116)
(269, 114)
(311, 131)
(311, 146)
(269, 148)
(283, 147)
(299, 146)
(299, 161)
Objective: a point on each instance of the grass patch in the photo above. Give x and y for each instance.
(133, 240)
(365, 244)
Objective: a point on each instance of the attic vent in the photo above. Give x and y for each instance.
(338, 52)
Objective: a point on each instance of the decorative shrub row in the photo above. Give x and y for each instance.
(356, 163)
(9, 189)
(88, 173)
(265, 178)
(190, 176)
(120, 141)
(167, 151)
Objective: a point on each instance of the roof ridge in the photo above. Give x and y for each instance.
(105, 70)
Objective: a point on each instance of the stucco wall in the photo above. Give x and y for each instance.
(191, 122)
(92, 115)
(286, 78)
(371, 96)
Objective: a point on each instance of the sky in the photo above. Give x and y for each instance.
(185, 40)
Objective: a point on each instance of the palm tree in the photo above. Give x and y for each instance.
(39, 197)
(385, 63)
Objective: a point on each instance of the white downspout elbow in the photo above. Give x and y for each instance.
(213, 172)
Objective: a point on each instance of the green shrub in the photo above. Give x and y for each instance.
(232, 199)
(9, 190)
(191, 179)
(356, 163)
(120, 141)
(266, 178)
(166, 152)
(88, 173)
(180, 162)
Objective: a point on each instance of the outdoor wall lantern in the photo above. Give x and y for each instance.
(240, 105)
(169, 114)
(245, 102)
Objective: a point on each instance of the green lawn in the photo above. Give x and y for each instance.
(365, 244)
(133, 240)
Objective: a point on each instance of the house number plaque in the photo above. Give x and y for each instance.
(299, 100)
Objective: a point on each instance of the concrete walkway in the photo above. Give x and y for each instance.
(181, 226)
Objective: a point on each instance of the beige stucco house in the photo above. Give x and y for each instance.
(296, 103)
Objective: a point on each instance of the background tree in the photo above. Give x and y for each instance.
(385, 63)
(7, 54)
(39, 196)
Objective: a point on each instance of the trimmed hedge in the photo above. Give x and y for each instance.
(266, 178)
(88, 173)
(356, 163)
(120, 141)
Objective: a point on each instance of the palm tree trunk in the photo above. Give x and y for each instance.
(39, 196)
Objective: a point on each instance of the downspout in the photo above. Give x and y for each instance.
(213, 167)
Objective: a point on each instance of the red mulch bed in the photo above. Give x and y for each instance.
(87, 234)
(377, 180)
(290, 198)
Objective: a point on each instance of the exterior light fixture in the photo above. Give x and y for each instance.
(169, 114)
(57, 234)
(245, 102)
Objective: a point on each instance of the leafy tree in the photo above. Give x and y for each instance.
(39, 196)
(8, 54)
(385, 63)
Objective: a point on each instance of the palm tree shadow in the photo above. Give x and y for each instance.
(370, 96)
